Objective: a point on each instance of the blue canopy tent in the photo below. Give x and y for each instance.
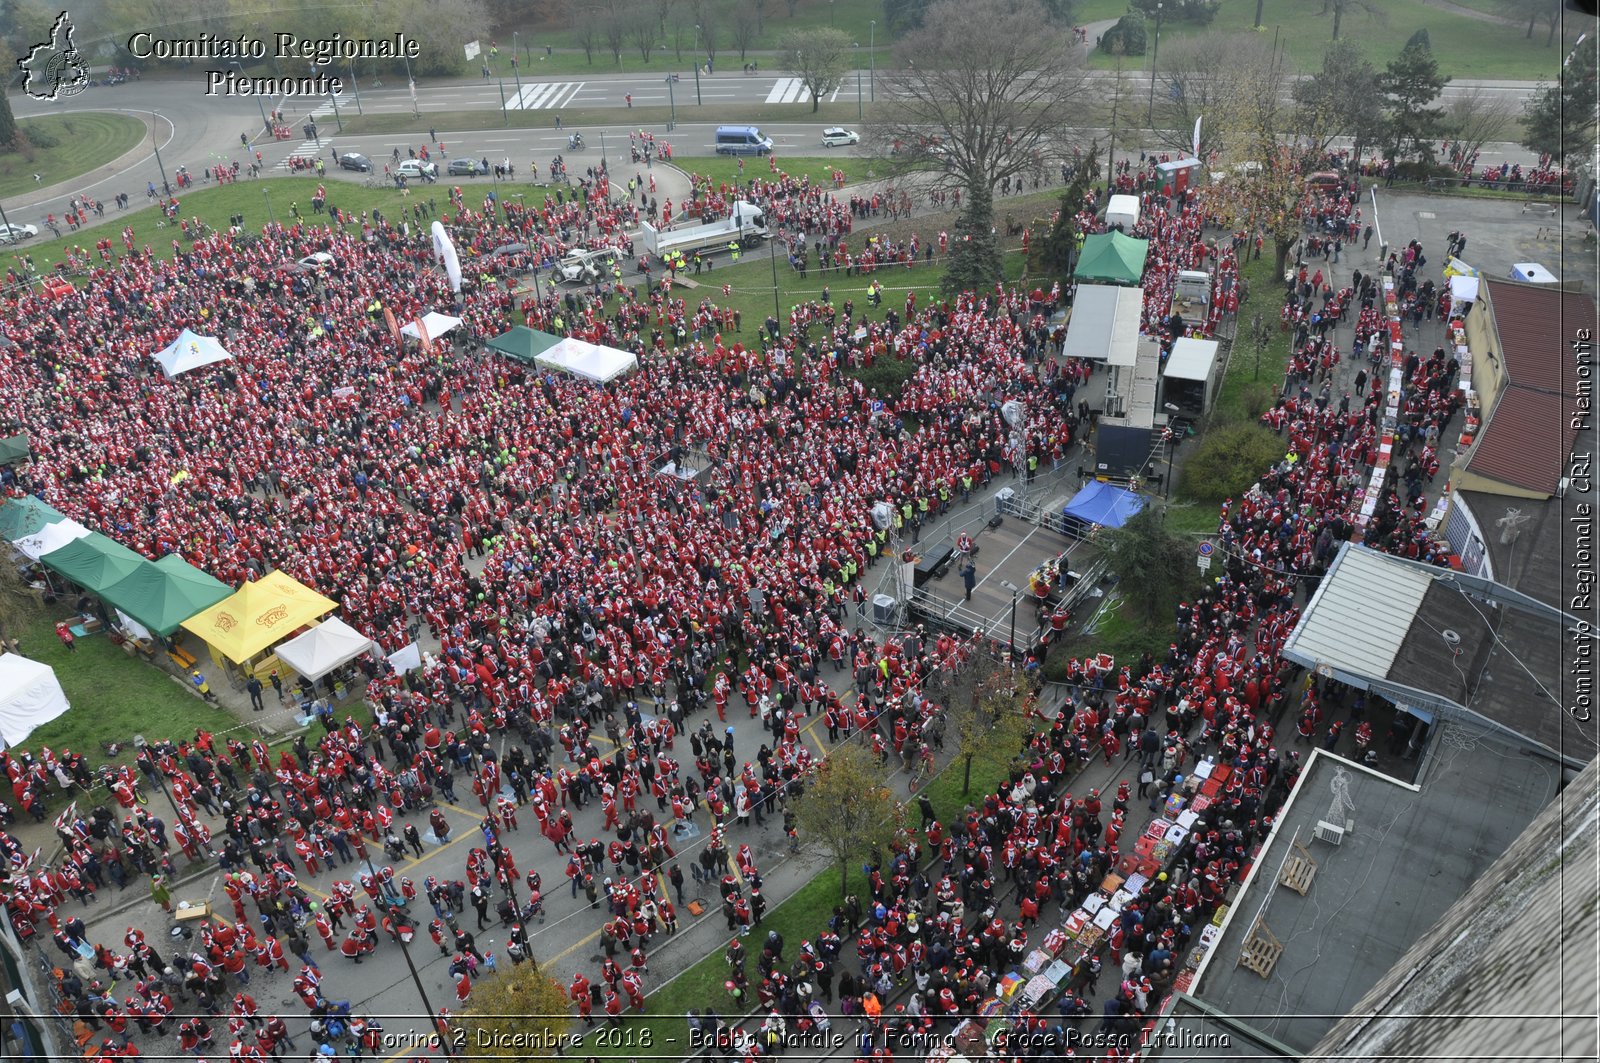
(1101, 503)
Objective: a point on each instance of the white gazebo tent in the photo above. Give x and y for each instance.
(190, 351)
(599, 364)
(30, 695)
(436, 323)
(49, 538)
(320, 650)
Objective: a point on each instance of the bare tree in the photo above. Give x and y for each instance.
(1476, 118)
(1339, 8)
(586, 28)
(644, 32)
(1226, 82)
(614, 29)
(818, 57)
(992, 86)
(663, 9)
(746, 28)
(710, 23)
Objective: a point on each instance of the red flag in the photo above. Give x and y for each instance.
(394, 326)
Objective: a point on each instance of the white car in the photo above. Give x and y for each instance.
(838, 137)
(416, 168)
(15, 234)
(315, 262)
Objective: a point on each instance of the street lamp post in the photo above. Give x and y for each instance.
(697, 100)
(672, 102)
(1011, 644)
(416, 112)
(156, 143)
(516, 67)
(1150, 110)
(334, 99)
(861, 115)
(872, 60)
(355, 84)
(777, 312)
(267, 196)
(433, 1016)
(505, 115)
(266, 126)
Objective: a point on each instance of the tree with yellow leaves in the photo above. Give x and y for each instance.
(848, 810)
(519, 1013)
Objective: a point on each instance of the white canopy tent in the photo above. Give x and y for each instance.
(30, 695)
(1104, 326)
(317, 652)
(436, 323)
(599, 364)
(190, 351)
(1464, 289)
(49, 538)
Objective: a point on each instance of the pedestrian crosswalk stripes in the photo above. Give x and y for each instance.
(787, 90)
(546, 96)
(309, 149)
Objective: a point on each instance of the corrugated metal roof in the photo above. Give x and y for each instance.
(1526, 441)
(1341, 627)
(1536, 322)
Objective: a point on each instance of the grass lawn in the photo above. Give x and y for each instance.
(78, 143)
(1465, 47)
(1120, 633)
(113, 696)
(776, 19)
(214, 205)
(752, 287)
(1266, 297)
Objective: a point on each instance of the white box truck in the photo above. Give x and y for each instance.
(746, 225)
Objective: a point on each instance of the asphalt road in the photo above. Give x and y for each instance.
(189, 128)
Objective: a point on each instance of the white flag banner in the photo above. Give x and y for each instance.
(412, 83)
(1197, 122)
(445, 249)
(474, 49)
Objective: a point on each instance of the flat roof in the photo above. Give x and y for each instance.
(1191, 1029)
(1191, 359)
(1412, 853)
(1104, 325)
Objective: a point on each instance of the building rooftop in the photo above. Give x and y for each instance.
(1193, 1030)
(1412, 852)
(1426, 638)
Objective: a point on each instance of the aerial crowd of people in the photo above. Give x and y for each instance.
(596, 612)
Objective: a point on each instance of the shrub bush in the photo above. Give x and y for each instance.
(1127, 37)
(888, 375)
(1257, 398)
(1229, 460)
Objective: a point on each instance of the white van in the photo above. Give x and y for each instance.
(742, 140)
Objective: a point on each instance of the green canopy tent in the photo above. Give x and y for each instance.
(14, 449)
(93, 562)
(1112, 258)
(163, 595)
(523, 343)
(22, 517)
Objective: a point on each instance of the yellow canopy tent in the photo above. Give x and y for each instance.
(258, 616)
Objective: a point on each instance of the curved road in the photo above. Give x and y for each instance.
(194, 130)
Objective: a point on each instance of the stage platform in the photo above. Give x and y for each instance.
(1007, 554)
